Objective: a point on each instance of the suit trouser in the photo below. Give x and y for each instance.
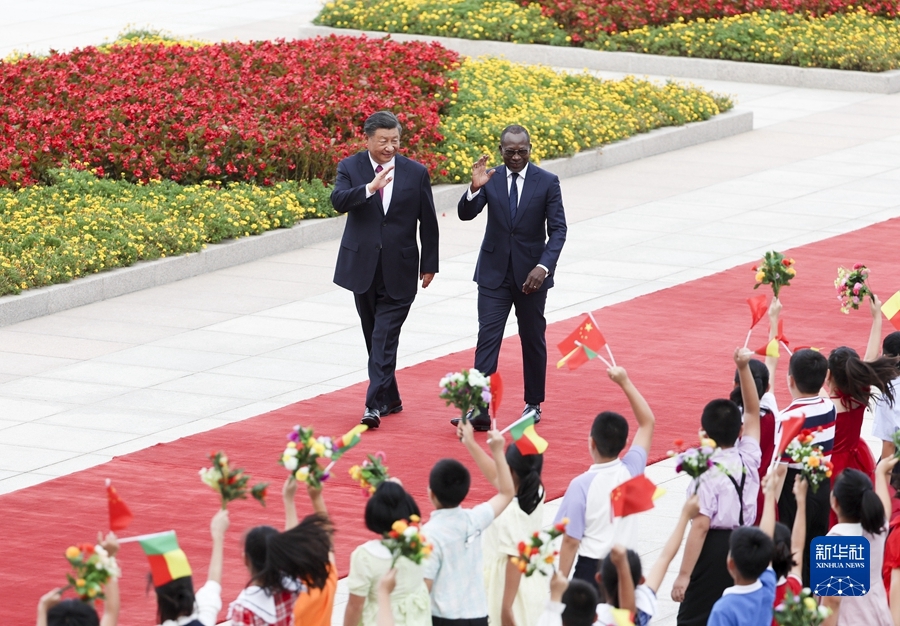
(381, 317)
(493, 310)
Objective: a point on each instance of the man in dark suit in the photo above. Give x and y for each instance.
(525, 233)
(386, 196)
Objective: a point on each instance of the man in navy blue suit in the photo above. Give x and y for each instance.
(387, 198)
(525, 233)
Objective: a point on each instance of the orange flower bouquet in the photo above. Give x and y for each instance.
(537, 554)
(229, 482)
(93, 567)
(814, 466)
(776, 270)
(406, 539)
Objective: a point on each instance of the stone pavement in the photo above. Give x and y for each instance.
(81, 386)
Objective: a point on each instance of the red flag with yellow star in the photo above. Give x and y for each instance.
(120, 515)
(635, 495)
(582, 345)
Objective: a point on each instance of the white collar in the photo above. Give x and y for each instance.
(391, 163)
(521, 174)
(376, 548)
(742, 589)
(258, 601)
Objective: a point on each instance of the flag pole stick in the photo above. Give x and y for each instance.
(747, 340)
(142, 537)
(517, 422)
(605, 362)
(329, 466)
(609, 352)
(789, 351)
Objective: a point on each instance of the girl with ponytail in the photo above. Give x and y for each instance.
(513, 599)
(860, 510)
(850, 381)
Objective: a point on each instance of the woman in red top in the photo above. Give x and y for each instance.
(850, 381)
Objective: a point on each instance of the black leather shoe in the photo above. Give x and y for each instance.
(537, 411)
(371, 418)
(390, 408)
(481, 422)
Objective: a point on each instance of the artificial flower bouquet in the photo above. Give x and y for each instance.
(851, 286)
(406, 539)
(814, 466)
(537, 554)
(696, 461)
(93, 567)
(304, 450)
(774, 269)
(231, 483)
(800, 610)
(466, 390)
(370, 473)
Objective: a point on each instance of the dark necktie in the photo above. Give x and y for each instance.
(380, 191)
(513, 197)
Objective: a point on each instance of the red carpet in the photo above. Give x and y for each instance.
(676, 345)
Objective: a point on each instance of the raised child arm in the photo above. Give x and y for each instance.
(774, 315)
(798, 532)
(619, 557)
(483, 460)
(882, 483)
(504, 478)
(749, 393)
(217, 528)
(660, 567)
(873, 347)
(111, 602)
(642, 412)
(385, 616)
(288, 491)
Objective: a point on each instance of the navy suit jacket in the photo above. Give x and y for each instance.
(370, 232)
(536, 237)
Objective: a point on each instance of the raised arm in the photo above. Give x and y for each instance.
(504, 478)
(774, 316)
(642, 413)
(217, 529)
(385, 615)
(661, 566)
(483, 460)
(619, 557)
(749, 393)
(798, 532)
(873, 348)
(317, 499)
(767, 520)
(288, 491)
(111, 602)
(882, 483)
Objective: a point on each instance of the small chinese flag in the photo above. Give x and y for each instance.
(526, 438)
(758, 307)
(790, 428)
(891, 310)
(770, 349)
(780, 336)
(496, 393)
(581, 345)
(120, 515)
(635, 495)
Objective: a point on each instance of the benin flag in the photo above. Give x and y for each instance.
(891, 310)
(526, 438)
(635, 495)
(581, 345)
(350, 439)
(622, 617)
(770, 349)
(168, 562)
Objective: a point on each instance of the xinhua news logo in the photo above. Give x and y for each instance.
(839, 566)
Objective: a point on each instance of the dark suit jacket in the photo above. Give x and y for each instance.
(369, 232)
(536, 237)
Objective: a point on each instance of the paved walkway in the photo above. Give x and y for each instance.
(79, 387)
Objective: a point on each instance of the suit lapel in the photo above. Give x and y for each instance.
(367, 172)
(531, 182)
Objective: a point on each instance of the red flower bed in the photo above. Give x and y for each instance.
(258, 112)
(585, 19)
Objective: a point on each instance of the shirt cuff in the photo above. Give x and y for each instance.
(470, 194)
(555, 607)
(544, 267)
(369, 194)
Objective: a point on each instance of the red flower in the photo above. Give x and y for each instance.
(680, 442)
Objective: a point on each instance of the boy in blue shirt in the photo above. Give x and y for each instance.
(749, 602)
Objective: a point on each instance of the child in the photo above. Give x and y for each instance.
(727, 499)
(861, 512)
(592, 531)
(176, 602)
(890, 569)
(54, 611)
(371, 561)
(807, 372)
(621, 580)
(887, 416)
(260, 604)
(453, 572)
(788, 543)
(750, 601)
(572, 603)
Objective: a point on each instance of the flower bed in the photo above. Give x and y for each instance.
(855, 41)
(254, 112)
(81, 224)
(565, 113)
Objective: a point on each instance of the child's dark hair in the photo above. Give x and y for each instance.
(581, 600)
(610, 434)
(72, 613)
(449, 482)
(721, 419)
(610, 577)
(255, 547)
(895, 480)
(858, 501)
(389, 503)
(808, 368)
(760, 376)
(855, 378)
(175, 599)
(528, 468)
(782, 557)
(751, 550)
(890, 346)
(301, 553)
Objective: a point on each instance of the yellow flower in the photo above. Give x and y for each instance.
(72, 552)
(80, 582)
(414, 518)
(399, 526)
(760, 276)
(810, 604)
(813, 461)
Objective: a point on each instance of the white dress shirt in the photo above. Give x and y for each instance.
(387, 189)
